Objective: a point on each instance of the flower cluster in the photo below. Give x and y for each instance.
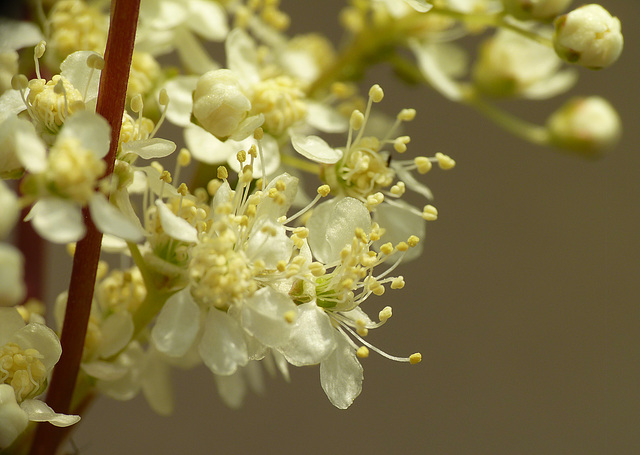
(231, 264)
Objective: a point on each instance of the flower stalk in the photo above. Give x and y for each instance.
(110, 104)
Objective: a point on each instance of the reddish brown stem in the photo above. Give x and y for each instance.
(111, 101)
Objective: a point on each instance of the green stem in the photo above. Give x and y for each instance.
(516, 126)
(110, 104)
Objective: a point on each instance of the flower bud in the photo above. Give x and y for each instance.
(219, 103)
(543, 10)
(588, 36)
(588, 126)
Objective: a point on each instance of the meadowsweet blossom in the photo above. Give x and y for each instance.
(28, 352)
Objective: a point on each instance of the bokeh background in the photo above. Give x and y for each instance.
(524, 305)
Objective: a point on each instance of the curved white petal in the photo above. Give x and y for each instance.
(110, 220)
(10, 322)
(117, 330)
(263, 316)
(12, 418)
(231, 388)
(74, 68)
(341, 375)
(312, 338)
(222, 346)
(433, 70)
(12, 288)
(41, 338)
(156, 385)
(325, 118)
(106, 371)
(15, 34)
(174, 226)
(177, 325)
(150, 148)
(38, 411)
(242, 57)
(205, 147)
(57, 220)
(333, 225)
(207, 19)
(315, 149)
(180, 91)
(399, 224)
(30, 149)
(91, 129)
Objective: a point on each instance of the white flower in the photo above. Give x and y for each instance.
(512, 65)
(589, 126)
(588, 36)
(28, 353)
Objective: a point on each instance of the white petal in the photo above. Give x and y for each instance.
(156, 385)
(341, 375)
(174, 226)
(91, 129)
(74, 68)
(12, 288)
(38, 411)
(57, 220)
(11, 104)
(411, 182)
(208, 20)
(150, 148)
(325, 118)
(316, 149)
(242, 56)
(263, 316)
(205, 147)
(267, 247)
(106, 371)
(312, 337)
(161, 14)
(247, 127)
(231, 388)
(222, 346)
(10, 322)
(399, 223)
(30, 149)
(15, 35)
(110, 220)
(557, 84)
(180, 91)
(419, 5)
(41, 338)
(271, 209)
(177, 324)
(193, 55)
(12, 418)
(117, 330)
(432, 69)
(333, 225)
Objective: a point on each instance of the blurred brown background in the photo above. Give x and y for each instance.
(524, 306)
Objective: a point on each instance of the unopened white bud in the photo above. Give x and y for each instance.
(219, 104)
(544, 10)
(588, 126)
(588, 36)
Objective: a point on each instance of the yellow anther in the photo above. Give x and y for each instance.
(324, 190)
(406, 115)
(402, 246)
(413, 240)
(253, 151)
(157, 166)
(362, 331)
(241, 156)
(345, 252)
(136, 103)
(415, 358)
(258, 133)
(273, 192)
(39, 49)
(251, 210)
(301, 232)
(445, 161)
(347, 283)
(163, 98)
(423, 164)
(360, 234)
(357, 119)
(376, 93)
(280, 185)
(341, 90)
(385, 314)
(290, 316)
(19, 82)
(399, 146)
(212, 186)
(387, 248)
(247, 174)
(398, 189)
(378, 290)
(222, 173)
(362, 352)
(281, 265)
(183, 190)
(429, 213)
(397, 283)
(184, 157)
(166, 177)
(95, 61)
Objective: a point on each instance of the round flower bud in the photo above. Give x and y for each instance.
(219, 103)
(588, 36)
(543, 10)
(588, 126)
